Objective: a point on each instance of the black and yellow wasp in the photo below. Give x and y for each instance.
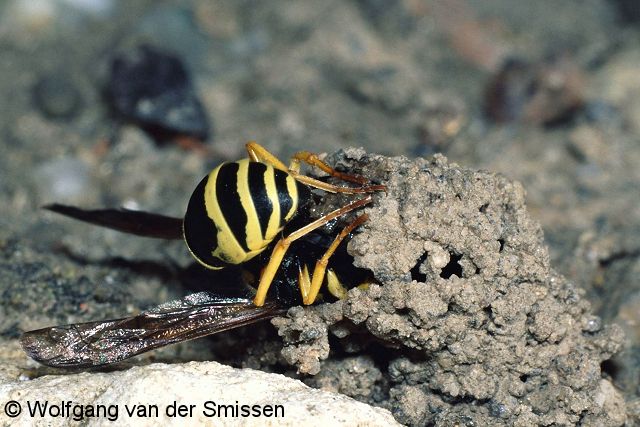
(233, 215)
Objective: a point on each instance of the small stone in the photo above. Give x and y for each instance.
(592, 324)
(64, 179)
(57, 97)
(153, 88)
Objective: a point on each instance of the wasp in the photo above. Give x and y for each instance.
(235, 213)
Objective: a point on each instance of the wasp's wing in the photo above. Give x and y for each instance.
(100, 343)
(133, 222)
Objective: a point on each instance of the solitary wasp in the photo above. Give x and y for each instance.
(233, 215)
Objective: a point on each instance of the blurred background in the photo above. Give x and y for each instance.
(114, 103)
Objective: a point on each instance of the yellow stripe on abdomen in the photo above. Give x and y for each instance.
(228, 249)
(274, 226)
(292, 188)
(253, 231)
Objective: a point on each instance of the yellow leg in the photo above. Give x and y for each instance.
(304, 281)
(258, 153)
(313, 160)
(334, 286)
(283, 244)
(321, 265)
(330, 188)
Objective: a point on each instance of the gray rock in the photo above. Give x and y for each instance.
(204, 386)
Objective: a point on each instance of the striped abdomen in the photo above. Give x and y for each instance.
(237, 210)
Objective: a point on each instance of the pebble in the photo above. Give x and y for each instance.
(63, 179)
(153, 88)
(57, 97)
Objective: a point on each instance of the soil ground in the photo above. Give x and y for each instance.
(544, 93)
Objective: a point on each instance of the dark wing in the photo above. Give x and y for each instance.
(104, 342)
(133, 222)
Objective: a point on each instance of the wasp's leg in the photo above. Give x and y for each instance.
(257, 153)
(334, 286)
(283, 244)
(321, 265)
(313, 160)
(330, 188)
(304, 281)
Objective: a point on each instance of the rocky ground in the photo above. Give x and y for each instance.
(482, 314)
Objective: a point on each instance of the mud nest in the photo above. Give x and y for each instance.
(468, 324)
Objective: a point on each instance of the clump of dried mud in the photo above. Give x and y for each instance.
(469, 323)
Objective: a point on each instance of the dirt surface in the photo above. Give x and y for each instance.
(544, 93)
